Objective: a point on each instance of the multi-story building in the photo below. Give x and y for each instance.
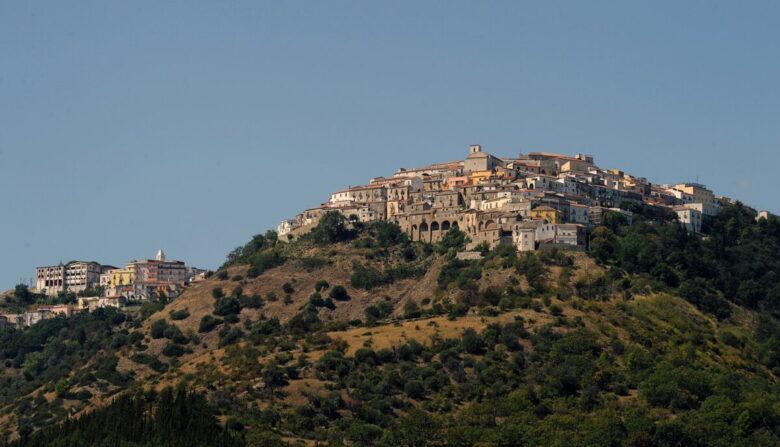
(75, 276)
(148, 278)
(689, 217)
(696, 193)
(122, 278)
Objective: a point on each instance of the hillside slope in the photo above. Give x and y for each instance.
(364, 338)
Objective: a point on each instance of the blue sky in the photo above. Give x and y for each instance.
(190, 126)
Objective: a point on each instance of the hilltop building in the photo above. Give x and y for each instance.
(149, 278)
(75, 276)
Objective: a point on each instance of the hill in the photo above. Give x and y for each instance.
(355, 335)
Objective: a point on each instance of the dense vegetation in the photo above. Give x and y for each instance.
(172, 418)
(736, 261)
(46, 354)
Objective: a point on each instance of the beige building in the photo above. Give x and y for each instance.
(75, 276)
(94, 302)
(480, 161)
(696, 193)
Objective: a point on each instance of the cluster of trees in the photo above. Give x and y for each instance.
(171, 418)
(332, 227)
(488, 387)
(261, 253)
(22, 297)
(52, 353)
(736, 261)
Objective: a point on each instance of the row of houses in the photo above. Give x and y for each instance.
(138, 280)
(532, 200)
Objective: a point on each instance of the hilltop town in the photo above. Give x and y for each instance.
(536, 200)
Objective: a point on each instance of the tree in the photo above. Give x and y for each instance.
(339, 293)
(274, 376)
(208, 323)
(603, 244)
(321, 285)
(472, 342)
(453, 239)
(158, 329)
(331, 228)
(411, 309)
(227, 306)
(23, 295)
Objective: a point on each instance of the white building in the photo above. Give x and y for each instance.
(689, 217)
(286, 227)
(529, 235)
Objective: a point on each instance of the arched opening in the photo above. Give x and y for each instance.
(434, 226)
(479, 226)
(455, 225)
(490, 225)
(424, 227)
(445, 225)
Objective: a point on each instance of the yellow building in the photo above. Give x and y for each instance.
(547, 213)
(480, 176)
(122, 277)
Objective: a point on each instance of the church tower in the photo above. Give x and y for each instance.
(160, 255)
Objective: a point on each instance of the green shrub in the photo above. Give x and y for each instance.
(119, 340)
(321, 285)
(227, 306)
(158, 329)
(339, 293)
(179, 314)
(173, 350)
(208, 323)
(229, 336)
